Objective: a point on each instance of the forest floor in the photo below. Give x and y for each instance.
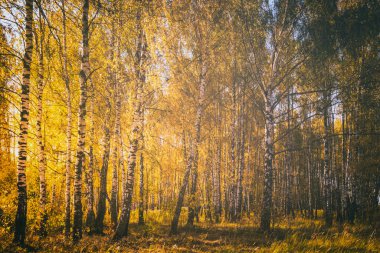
(298, 235)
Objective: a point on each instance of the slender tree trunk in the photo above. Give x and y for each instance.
(90, 217)
(268, 164)
(309, 181)
(231, 187)
(248, 189)
(217, 196)
(326, 160)
(20, 221)
(194, 179)
(288, 163)
(348, 198)
(68, 128)
(141, 190)
(116, 137)
(101, 209)
(122, 227)
(41, 157)
(344, 163)
(68, 170)
(141, 57)
(181, 194)
(338, 175)
(115, 182)
(121, 162)
(310, 165)
(208, 179)
(239, 196)
(84, 74)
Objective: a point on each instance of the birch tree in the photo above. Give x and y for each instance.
(66, 79)
(42, 160)
(140, 72)
(84, 74)
(20, 222)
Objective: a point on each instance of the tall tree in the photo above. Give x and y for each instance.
(217, 170)
(185, 182)
(116, 153)
(199, 33)
(327, 156)
(141, 175)
(140, 72)
(101, 208)
(42, 160)
(239, 186)
(84, 75)
(90, 216)
(66, 79)
(20, 222)
(141, 190)
(117, 135)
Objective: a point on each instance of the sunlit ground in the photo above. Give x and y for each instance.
(298, 235)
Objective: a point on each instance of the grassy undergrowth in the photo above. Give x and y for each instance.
(299, 235)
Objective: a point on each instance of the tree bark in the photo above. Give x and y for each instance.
(194, 179)
(208, 183)
(217, 196)
(115, 183)
(140, 60)
(288, 162)
(84, 74)
(101, 209)
(268, 163)
(68, 128)
(141, 190)
(117, 136)
(326, 159)
(181, 194)
(41, 157)
(90, 217)
(20, 221)
(239, 188)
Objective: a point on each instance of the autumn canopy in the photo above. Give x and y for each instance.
(246, 121)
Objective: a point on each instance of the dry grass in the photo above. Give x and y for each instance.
(299, 235)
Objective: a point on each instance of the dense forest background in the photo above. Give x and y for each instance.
(189, 125)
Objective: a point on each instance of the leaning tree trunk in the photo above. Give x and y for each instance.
(268, 164)
(181, 194)
(41, 157)
(101, 209)
(141, 56)
(20, 222)
(84, 74)
(194, 179)
(68, 128)
(122, 226)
